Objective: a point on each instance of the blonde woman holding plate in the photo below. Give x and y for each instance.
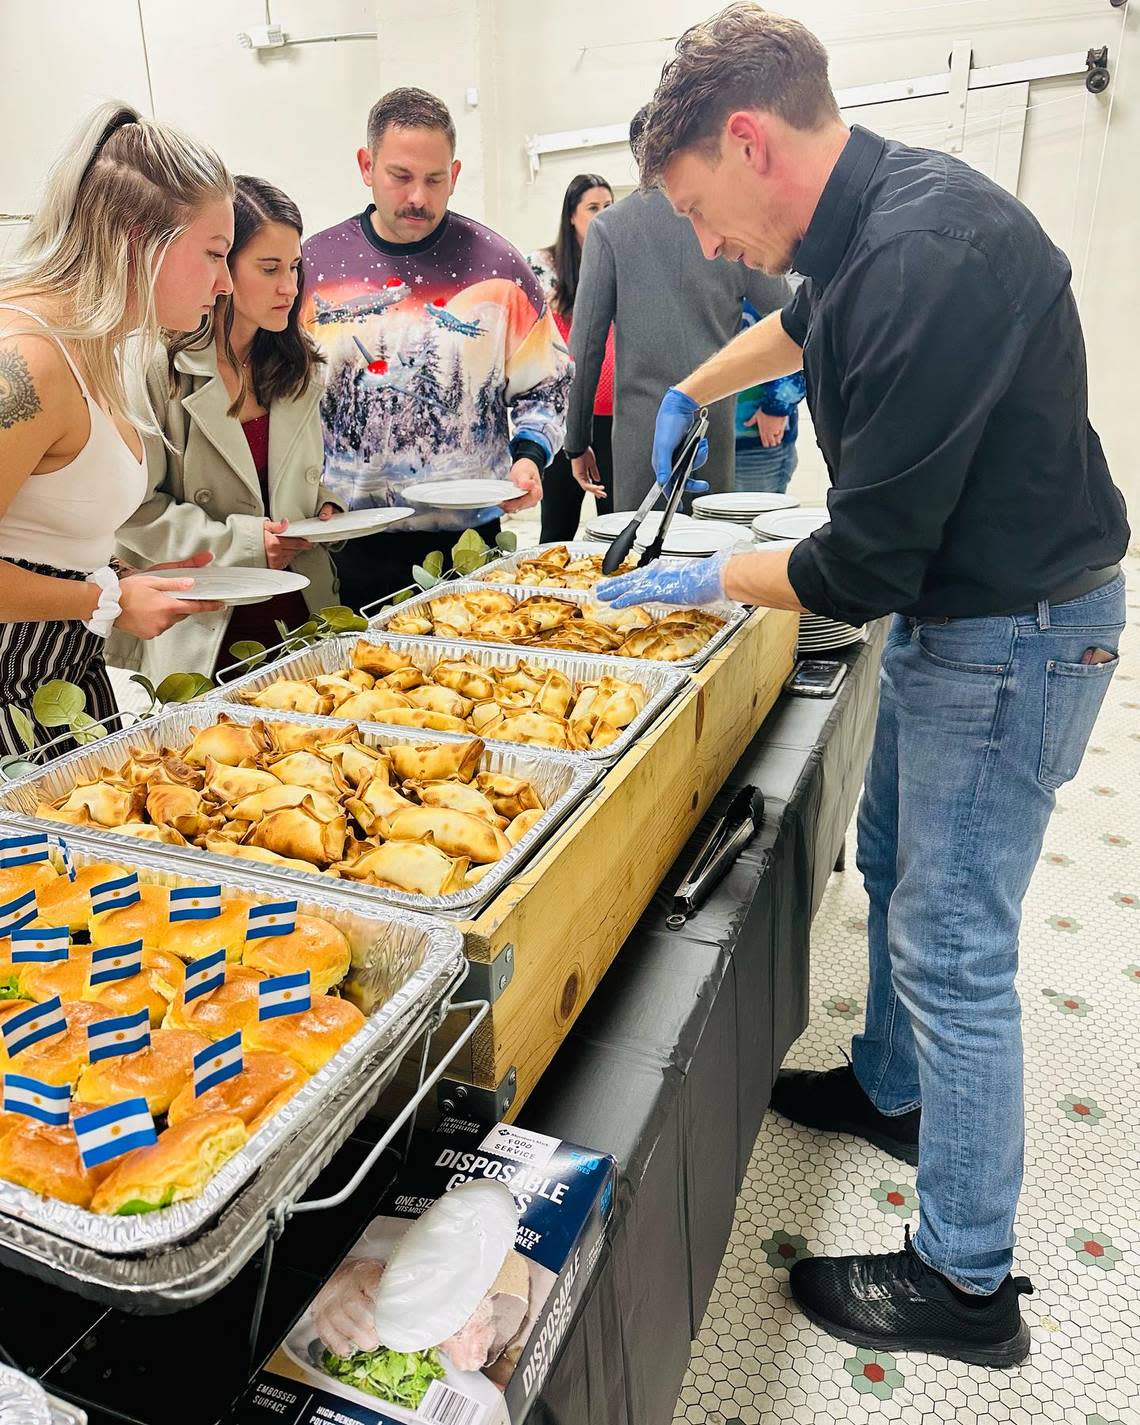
(241, 452)
(131, 237)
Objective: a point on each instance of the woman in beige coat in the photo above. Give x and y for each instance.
(243, 450)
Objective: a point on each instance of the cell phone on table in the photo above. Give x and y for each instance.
(816, 678)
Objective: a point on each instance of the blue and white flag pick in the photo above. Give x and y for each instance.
(64, 855)
(204, 975)
(195, 902)
(278, 918)
(49, 1103)
(35, 945)
(115, 895)
(23, 850)
(29, 1026)
(115, 962)
(108, 1133)
(284, 994)
(125, 1034)
(218, 1062)
(17, 912)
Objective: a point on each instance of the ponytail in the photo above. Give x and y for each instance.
(122, 190)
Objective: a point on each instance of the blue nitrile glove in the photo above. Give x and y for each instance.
(675, 417)
(694, 581)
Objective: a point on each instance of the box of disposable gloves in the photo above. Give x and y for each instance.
(452, 1304)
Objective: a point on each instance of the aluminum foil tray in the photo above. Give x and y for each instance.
(561, 781)
(23, 1401)
(397, 960)
(660, 680)
(733, 615)
(171, 1278)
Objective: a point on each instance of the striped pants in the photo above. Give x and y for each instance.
(32, 654)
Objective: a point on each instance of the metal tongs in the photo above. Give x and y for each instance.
(683, 459)
(733, 830)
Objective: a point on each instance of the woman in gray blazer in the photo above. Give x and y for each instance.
(242, 451)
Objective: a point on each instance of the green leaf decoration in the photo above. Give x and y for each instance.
(433, 563)
(23, 725)
(204, 683)
(467, 561)
(333, 613)
(56, 704)
(178, 688)
(146, 685)
(423, 578)
(282, 628)
(85, 729)
(507, 540)
(13, 767)
(249, 652)
(403, 596)
(469, 540)
(356, 624)
(341, 619)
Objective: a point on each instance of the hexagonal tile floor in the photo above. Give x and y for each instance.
(757, 1360)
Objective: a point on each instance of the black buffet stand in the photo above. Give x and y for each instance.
(669, 1068)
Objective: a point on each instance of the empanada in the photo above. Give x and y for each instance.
(309, 769)
(221, 847)
(230, 742)
(374, 802)
(434, 764)
(105, 803)
(421, 717)
(407, 866)
(460, 796)
(289, 695)
(336, 687)
(230, 784)
(526, 725)
(358, 762)
(510, 796)
(403, 679)
(522, 823)
(145, 832)
(410, 623)
(457, 833)
(372, 705)
(299, 834)
(379, 659)
(465, 676)
(441, 700)
(260, 804)
(296, 737)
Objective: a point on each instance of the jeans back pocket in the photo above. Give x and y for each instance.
(1073, 695)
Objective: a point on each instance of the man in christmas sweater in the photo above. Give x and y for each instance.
(443, 361)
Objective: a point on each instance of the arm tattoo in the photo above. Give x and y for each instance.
(18, 399)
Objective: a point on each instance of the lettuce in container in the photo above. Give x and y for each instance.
(399, 1377)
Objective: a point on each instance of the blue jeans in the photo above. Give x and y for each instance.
(765, 469)
(980, 721)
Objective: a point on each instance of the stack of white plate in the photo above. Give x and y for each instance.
(789, 524)
(686, 539)
(606, 528)
(780, 529)
(740, 507)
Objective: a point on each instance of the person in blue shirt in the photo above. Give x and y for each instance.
(767, 423)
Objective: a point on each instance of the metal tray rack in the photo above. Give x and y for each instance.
(561, 781)
(398, 960)
(660, 681)
(733, 615)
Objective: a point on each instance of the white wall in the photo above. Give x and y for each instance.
(296, 116)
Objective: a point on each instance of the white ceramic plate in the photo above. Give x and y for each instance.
(462, 494)
(351, 524)
(790, 524)
(694, 541)
(235, 586)
(608, 527)
(740, 502)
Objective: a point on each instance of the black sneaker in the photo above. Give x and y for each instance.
(835, 1103)
(895, 1302)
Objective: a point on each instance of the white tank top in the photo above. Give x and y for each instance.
(68, 518)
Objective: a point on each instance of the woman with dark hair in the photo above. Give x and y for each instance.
(241, 453)
(557, 269)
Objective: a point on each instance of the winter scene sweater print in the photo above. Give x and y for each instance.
(440, 354)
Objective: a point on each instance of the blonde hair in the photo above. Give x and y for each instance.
(120, 193)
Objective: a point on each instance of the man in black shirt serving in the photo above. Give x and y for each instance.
(970, 498)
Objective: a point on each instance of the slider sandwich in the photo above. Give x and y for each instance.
(310, 1038)
(66, 902)
(62, 1058)
(266, 1083)
(157, 1073)
(46, 1160)
(174, 1169)
(233, 1005)
(313, 945)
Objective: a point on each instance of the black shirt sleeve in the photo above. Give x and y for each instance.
(930, 342)
(794, 314)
